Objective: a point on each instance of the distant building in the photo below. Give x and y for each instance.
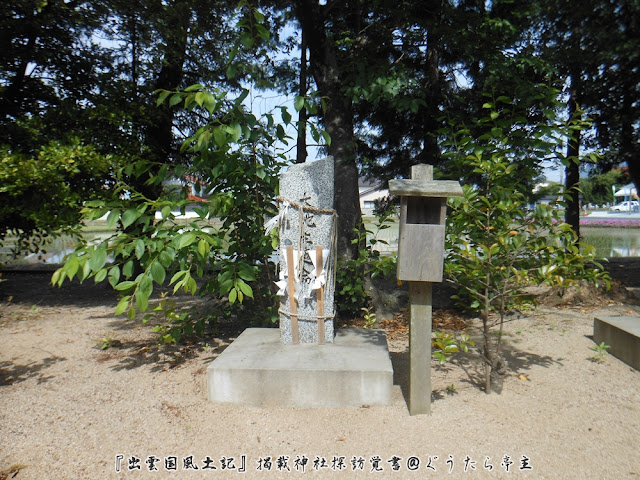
(370, 191)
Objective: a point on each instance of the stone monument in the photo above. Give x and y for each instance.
(307, 226)
(264, 367)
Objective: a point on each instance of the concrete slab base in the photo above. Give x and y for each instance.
(622, 334)
(258, 370)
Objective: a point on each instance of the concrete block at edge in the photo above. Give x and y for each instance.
(622, 334)
(258, 370)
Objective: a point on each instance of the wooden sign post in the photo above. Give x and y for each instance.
(423, 210)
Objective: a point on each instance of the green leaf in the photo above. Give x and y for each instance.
(202, 248)
(139, 248)
(210, 102)
(232, 69)
(192, 286)
(122, 305)
(165, 259)
(233, 296)
(162, 97)
(142, 301)
(165, 212)
(158, 273)
(127, 269)
(186, 239)
(199, 98)
(326, 136)
(98, 259)
(246, 272)
(220, 136)
(101, 275)
(129, 216)
(314, 132)
(175, 99)
(263, 32)
(126, 285)
(178, 275)
(195, 87)
(286, 116)
(114, 275)
(225, 286)
(71, 267)
(235, 130)
(112, 218)
(259, 16)
(298, 104)
(146, 285)
(246, 289)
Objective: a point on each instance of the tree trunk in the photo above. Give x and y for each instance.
(431, 153)
(487, 354)
(572, 169)
(301, 146)
(629, 151)
(159, 129)
(338, 122)
(494, 363)
(133, 33)
(12, 100)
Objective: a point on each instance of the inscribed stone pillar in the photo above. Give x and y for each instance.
(307, 221)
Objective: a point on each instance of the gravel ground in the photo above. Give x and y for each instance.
(69, 409)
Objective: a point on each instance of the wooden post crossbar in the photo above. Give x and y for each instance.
(423, 211)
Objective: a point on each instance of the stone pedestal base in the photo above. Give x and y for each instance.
(258, 370)
(622, 334)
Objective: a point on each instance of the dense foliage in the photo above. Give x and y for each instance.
(383, 83)
(598, 188)
(497, 245)
(234, 164)
(42, 194)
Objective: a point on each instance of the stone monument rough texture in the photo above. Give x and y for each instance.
(308, 185)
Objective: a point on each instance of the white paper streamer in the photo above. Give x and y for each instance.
(319, 279)
(271, 224)
(284, 274)
(282, 283)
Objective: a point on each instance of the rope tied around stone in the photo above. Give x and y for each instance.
(307, 317)
(330, 264)
(307, 208)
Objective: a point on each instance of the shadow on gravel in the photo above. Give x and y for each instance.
(12, 373)
(34, 288)
(518, 361)
(472, 366)
(129, 355)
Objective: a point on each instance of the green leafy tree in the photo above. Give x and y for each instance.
(352, 295)
(87, 70)
(234, 163)
(597, 189)
(387, 72)
(496, 246)
(234, 158)
(594, 47)
(42, 195)
(49, 62)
